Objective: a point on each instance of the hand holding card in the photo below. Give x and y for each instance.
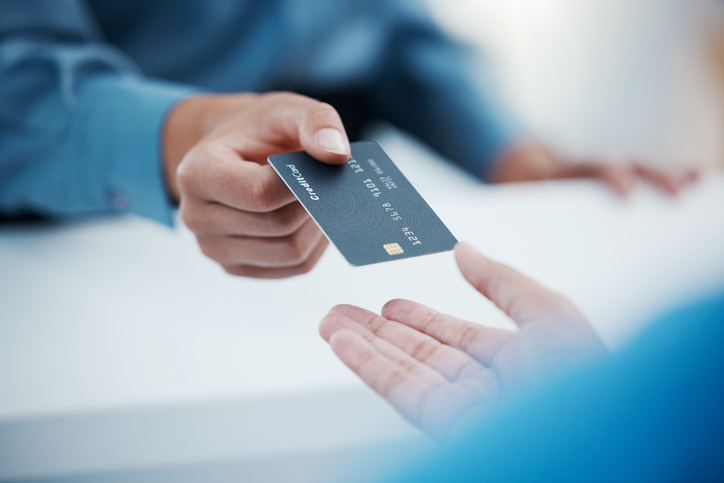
(366, 207)
(242, 214)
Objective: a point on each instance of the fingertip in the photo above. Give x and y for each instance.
(333, 337)
(321, 132)
(342, 341)
(325, 146)
(388, 305)
(325, 328)
(393, 308)
(462, 246)
(338, 310)
(473, 265)
(328, 326)
(343, 309)
(333, 141)
(465, 254)
(333, 323)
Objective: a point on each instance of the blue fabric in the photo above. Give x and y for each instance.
(654, 412)
(86, 86)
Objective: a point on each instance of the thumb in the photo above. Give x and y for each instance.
(314, 125)
(521, 298)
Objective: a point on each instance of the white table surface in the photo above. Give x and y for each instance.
(121, 346)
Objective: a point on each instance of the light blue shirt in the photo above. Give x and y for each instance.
(85, 86)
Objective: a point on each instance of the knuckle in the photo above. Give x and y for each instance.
(286, 221)
(192, 218)
(191, 168)
(324, 108)
(214, 251)
(281, 97)
(339, 309)
(306, 267)
(185, 177)
(322, 111)
(262, 196)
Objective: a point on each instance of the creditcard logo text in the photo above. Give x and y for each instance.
(303, 182)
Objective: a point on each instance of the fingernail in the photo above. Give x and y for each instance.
(332, 141)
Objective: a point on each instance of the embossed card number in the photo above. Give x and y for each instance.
(366, 207)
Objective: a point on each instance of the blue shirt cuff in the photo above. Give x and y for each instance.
(125, 119)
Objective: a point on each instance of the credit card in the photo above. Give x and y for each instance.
(366, 207)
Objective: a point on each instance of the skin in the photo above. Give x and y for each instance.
(214, 157)
(531, 161)
(441, 372)
(241, 212)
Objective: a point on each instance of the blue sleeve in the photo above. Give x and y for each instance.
(79, 125)
(432, 88)
(652, 413)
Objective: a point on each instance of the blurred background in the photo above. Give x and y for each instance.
(145, 362)
(642, 78)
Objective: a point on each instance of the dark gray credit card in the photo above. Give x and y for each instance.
(366, 207)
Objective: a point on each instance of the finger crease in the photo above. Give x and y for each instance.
(393, 380)
(429, 320)
(467, 337)
(364, 359)
(425, 349)
(375, 328)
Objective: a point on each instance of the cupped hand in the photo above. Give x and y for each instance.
(537, 162)
(242, 214)
(441, 372)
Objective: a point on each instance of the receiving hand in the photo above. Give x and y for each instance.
(241, 212)
(441, 372)
(535, 162)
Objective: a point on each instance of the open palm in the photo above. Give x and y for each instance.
(441, 372)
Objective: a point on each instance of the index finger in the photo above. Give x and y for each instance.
(216, 173)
